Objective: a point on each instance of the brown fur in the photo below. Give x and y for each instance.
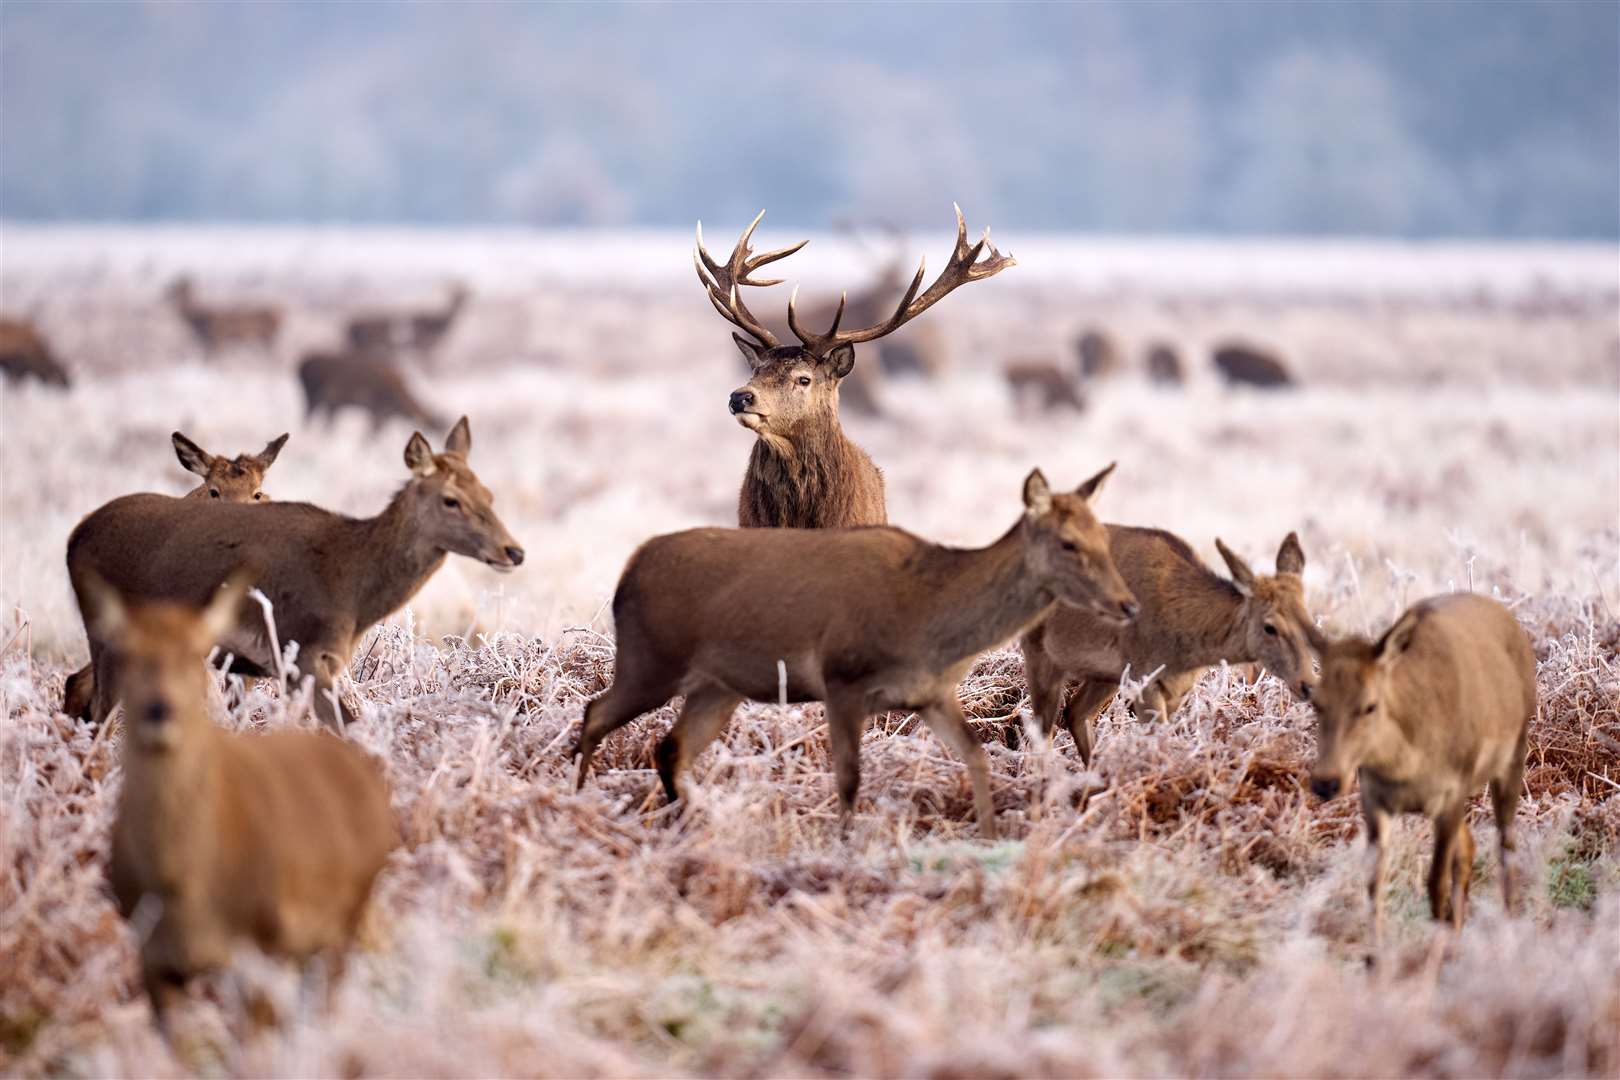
(1164, 364)
(1043, 385)
(864, 620)
(219, 327)
(418, 331)
(330, 578)
(336, 381)
(1191, 619)
(221, 837)
(24, 354)
(1438, 707)
(1245, 365)
(234, 480)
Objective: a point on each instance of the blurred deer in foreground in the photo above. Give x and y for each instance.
(1191, 619)
(1425, 715)
(329, 578)
(24, 354)
(865, 620)
(803, 471)
(221, 837)
(413, 331)
(219, 326)
(234, 480)
(367, 382)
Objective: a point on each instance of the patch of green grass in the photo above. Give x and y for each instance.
(993, 859)
(1571, 883)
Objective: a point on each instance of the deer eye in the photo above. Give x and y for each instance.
(1271, 631)
(1069, 545)
(213, 493)
(451, 504)
(1368, 711)
(258, 496)
(803, 380)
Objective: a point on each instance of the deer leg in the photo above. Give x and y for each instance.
(1081, 715)
(703, 716)
(1462, 874)
(1378, 823)
(328, 703)
(1446, 825)
(846, 720)
(1505, 803)
(1045, 682)
(622, 702)
(950, 725)
(103, 678)
(79, 693)
(165, 989)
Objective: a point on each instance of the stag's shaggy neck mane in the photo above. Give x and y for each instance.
(809, 480)
(395, 560)
(977, 598)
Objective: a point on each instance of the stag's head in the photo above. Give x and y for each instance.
(450, 508)
(1352, 706)
(1068, 548)
(157, 653)
(237, 479)
(1277, 628)
(797, 385)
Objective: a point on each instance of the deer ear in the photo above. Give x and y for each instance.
(419, 456)
(1242, 576)
(272, 449)
(1397, 639)
(1037, 494)
(1291, 557)
(1089, 489)
(219, 617)
(752, 351)
(111, 616)
(459, 441)
(841, 361)
(192, 457)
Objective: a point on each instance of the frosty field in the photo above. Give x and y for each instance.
(1185, 907)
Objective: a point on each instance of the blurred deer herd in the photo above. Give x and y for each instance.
(278, 838)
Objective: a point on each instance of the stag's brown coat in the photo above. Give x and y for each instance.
(221, 837)
(1437, 708)
(330, 578)
(24, 354)
(369, 383)
(1191, 619)
(862, 619)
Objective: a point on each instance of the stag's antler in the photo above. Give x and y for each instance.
(721, 281)
(963, 268)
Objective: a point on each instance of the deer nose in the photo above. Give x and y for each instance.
(1304, 690)
(514, 554)
(1324, 787)
(156, 712)
(741, 399)
(1130, 609)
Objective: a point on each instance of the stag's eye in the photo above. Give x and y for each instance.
(451, 504)
(213, 493)
(1368, 709)
(1271, 631)
(803, 380)
(258, 496)
(1069, 545)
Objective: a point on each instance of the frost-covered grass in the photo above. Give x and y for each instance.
(1184, 907)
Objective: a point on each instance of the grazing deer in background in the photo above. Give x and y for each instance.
(221, 837)
(865, 620)
(803, 471)
(234, 480)
(1191, 619)
(1245, 365)
(220, 327)
(1437, 707)
(24, 354)
(330, 578)
(1096, 355)
(417, 331)
(369, 383)
(1164, 364)
(1042, 385)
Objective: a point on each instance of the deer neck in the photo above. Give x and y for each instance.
(162, 794)
(1205, 625)
(395, 561)
(981, 597)
(804, 471)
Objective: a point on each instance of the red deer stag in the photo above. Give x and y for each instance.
(865, 620)
(803, 471)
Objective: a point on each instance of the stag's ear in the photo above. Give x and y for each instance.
(111, 616)
(1037, 494)
(419, 456)
(192, 457)
(220, 616)
(1397, 639)
(1291, 557)
(1242, 576)
(459, 441)
(752, 351)
(841, 361)
(1089, 489)
(272, 449)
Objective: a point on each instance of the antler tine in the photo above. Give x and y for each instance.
(965, 266)
(721, 281)
(816, 343)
